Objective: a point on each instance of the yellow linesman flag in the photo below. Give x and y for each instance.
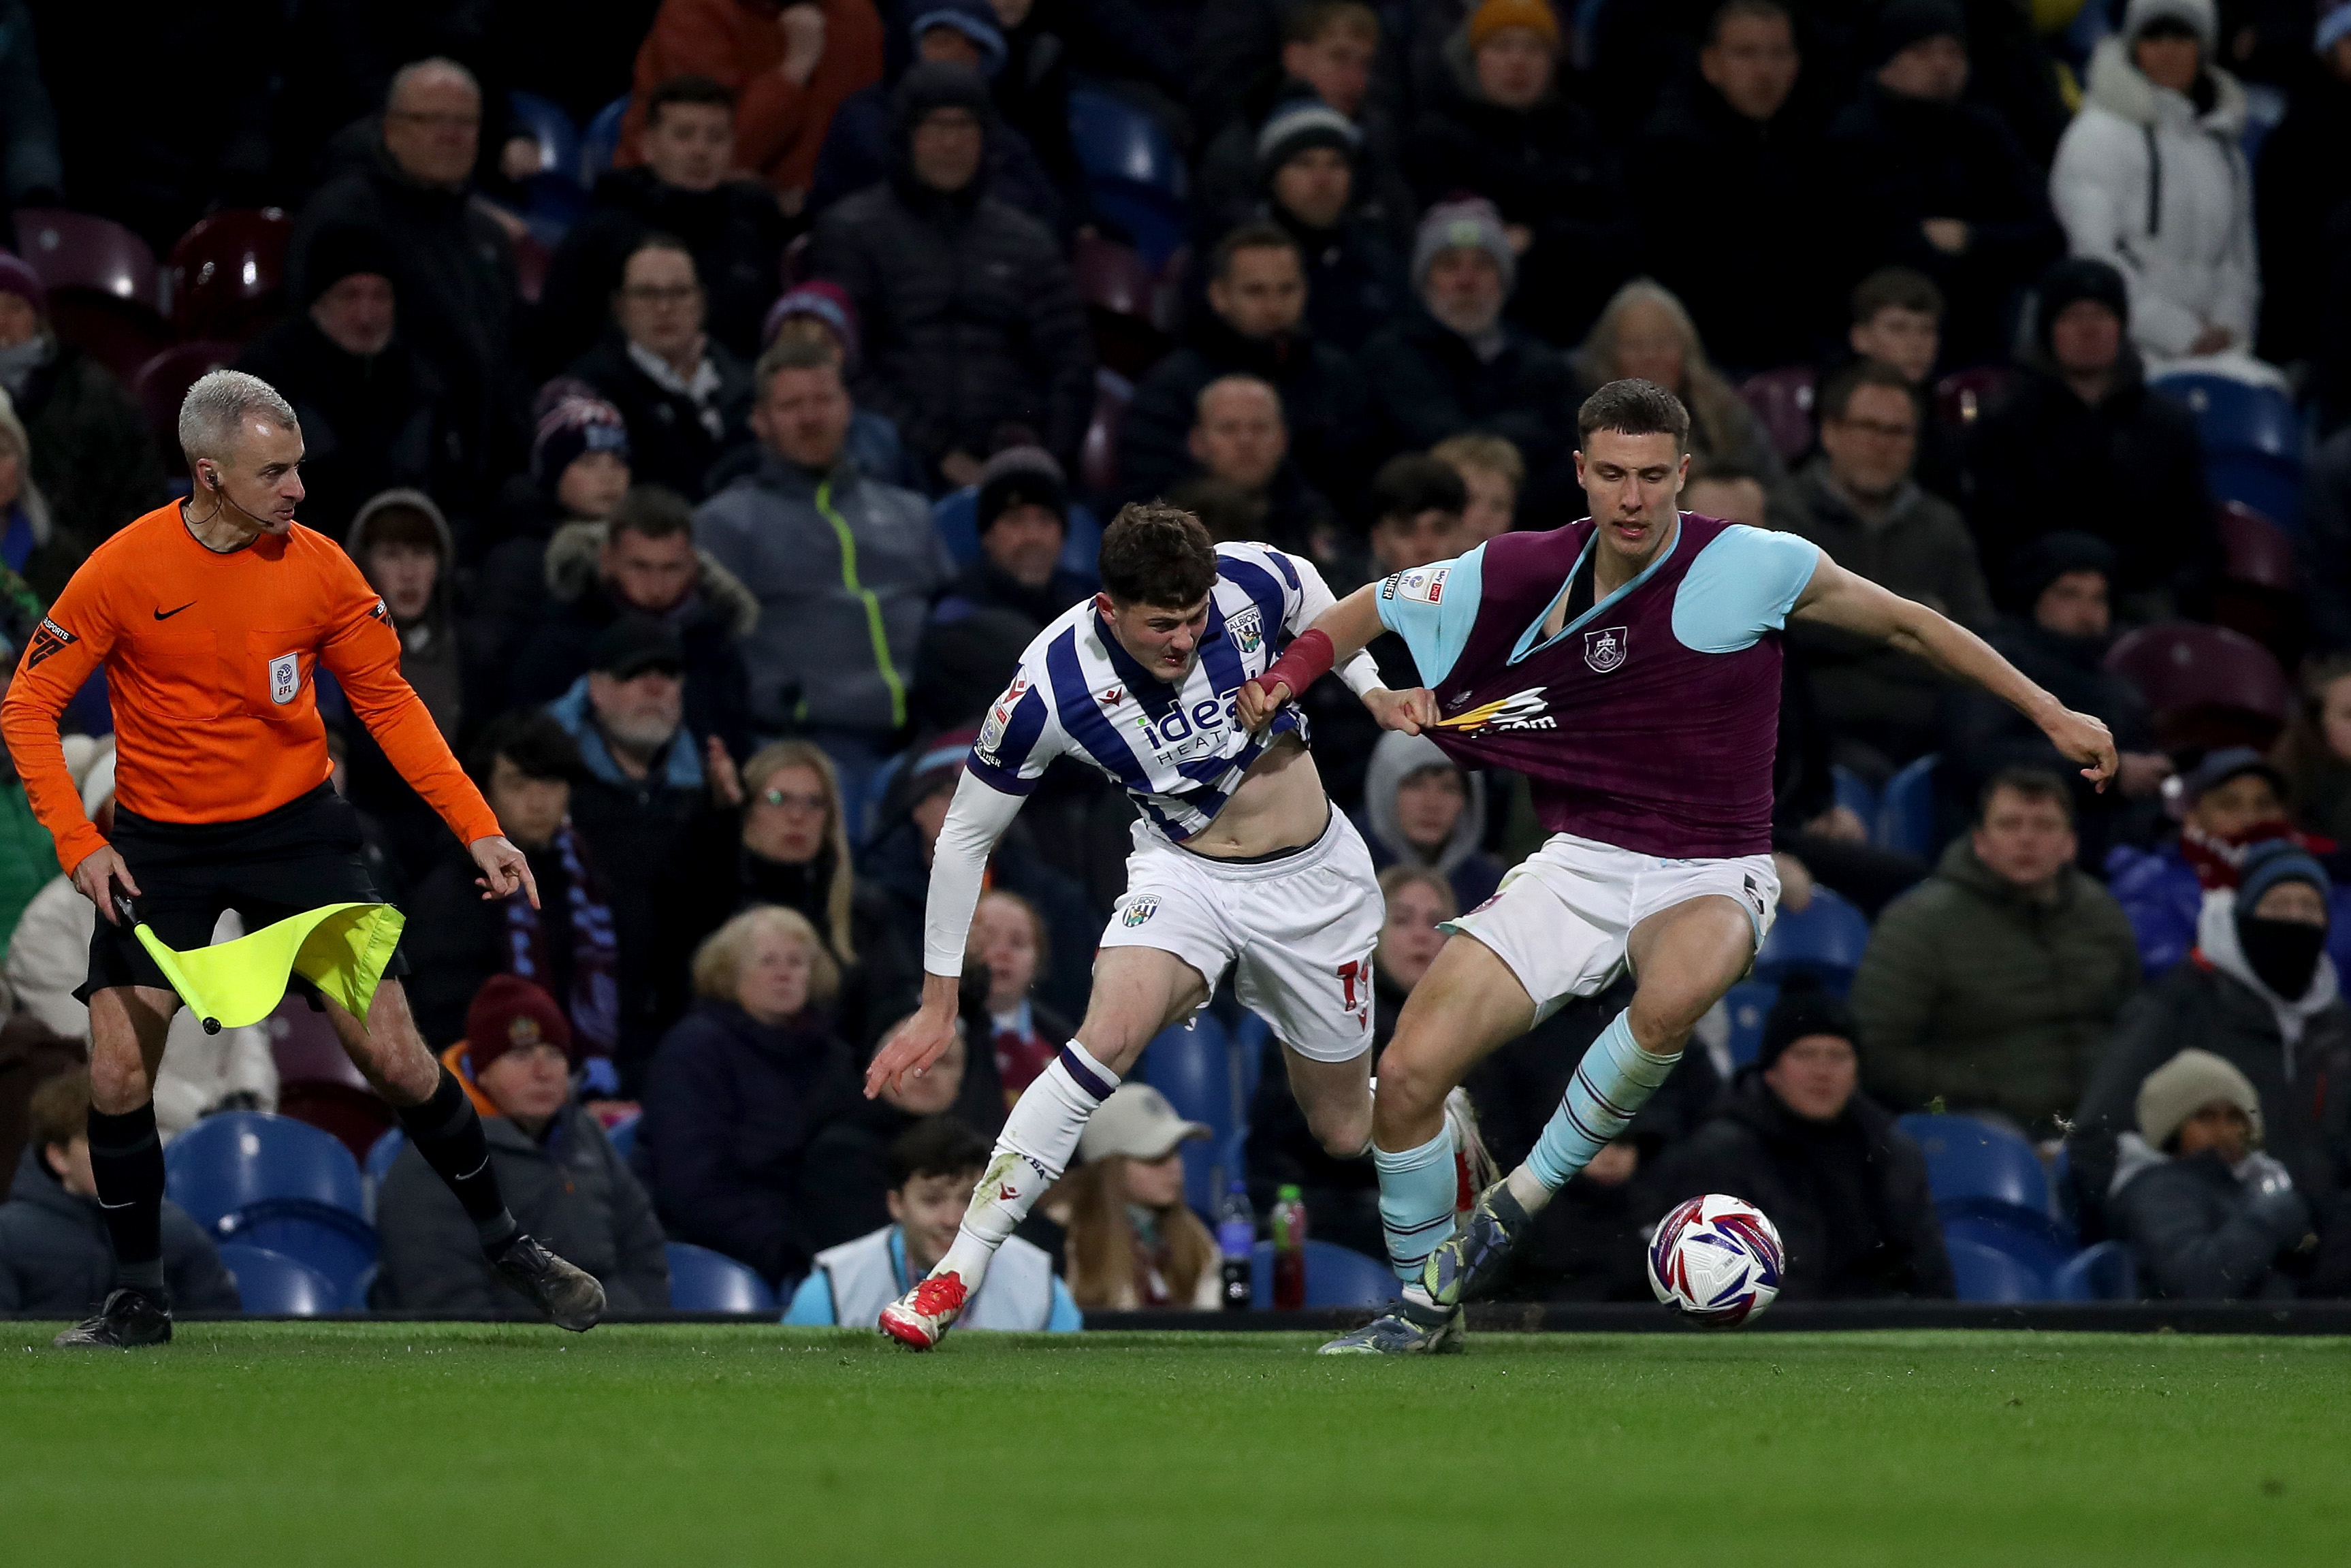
(341, 949)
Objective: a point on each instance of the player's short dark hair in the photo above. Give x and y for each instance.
(1156, 554)
(692, 88)
(1413, 483)
(651, 512)
(2031, 784)
(1896, 288)
(936, 1147)
(1837, 393)
(1309, 22)
(1769, 10)
(533, 741)
(58, 1110)
(1633, 407)
(1256, 234)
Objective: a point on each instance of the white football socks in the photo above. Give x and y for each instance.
(1038, 1139)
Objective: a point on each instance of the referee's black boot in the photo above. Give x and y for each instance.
(570, 1296)
(130, 1319)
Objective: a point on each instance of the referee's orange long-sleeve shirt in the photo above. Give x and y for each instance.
(209, 659)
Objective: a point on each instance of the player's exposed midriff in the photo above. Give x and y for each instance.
(1280, 805)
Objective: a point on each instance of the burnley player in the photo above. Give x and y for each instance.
(1239, 861)
(1628, 664)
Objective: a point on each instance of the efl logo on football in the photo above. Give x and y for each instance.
(1138, 911)
(1604, 649)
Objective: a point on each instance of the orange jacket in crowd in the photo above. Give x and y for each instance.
(209, 664)
(778, 127)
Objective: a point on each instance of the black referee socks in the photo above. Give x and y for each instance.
(126, 1159)
(448, 1134)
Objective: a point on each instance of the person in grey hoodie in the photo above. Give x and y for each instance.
(1421, 809)
(845, 567)
(2206, 1213)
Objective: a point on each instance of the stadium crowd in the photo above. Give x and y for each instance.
(717, 472)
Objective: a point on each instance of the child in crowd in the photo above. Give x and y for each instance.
(1008, 937)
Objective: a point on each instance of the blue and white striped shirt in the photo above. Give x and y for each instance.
(1178, 752)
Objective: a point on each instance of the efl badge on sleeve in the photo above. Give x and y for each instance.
(1604, 650)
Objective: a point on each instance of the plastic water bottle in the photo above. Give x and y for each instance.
(1288, 1249)
(1236, 1239)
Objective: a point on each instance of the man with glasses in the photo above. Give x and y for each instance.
(686, 397)
(450, 261)
(1857, 500)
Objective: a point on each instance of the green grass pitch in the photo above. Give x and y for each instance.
(460, 1443)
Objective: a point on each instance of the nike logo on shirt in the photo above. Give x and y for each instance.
(167, 614)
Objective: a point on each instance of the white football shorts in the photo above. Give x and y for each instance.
(1297, 932)
(1563, 915)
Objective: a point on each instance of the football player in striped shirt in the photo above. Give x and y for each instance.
(1240, 863)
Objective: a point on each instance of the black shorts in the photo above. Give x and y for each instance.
(304, 855)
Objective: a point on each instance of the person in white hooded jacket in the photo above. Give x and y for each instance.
(48, 957)
(2151, 177)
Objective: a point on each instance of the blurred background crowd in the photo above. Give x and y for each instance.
(722, 393)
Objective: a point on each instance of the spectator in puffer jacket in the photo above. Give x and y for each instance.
(1796, 1137)
(974, 336)
(56, 1260)
(553, 1162)
(2151, 176)
(2206, 1214)
(2260, 993)
(845, 567)
(738, 1089)
(1991, 985)
(1421, 809)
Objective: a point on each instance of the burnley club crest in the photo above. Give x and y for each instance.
(1604, 650)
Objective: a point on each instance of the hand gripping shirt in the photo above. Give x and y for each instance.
(1649, 721)
(209, 659)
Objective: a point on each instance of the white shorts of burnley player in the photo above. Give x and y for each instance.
(1628, 664)
(1239, 864)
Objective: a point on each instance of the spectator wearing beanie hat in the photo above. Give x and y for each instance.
(1926, 180)
(552, 1161)
(2301, 180)
(1351, 212)
(1498, 127)
(1455, 364)
(2207, 1215)
(373, 416)
(93, 457)
(1022, 512)
(963, 34)
(2260, 993)
(2080, 443)
(1794, 1135)
(822, 312)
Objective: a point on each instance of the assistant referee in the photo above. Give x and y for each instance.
(211, 617)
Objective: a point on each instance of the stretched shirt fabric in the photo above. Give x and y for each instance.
(209, 659)
(1650, 721)
(1176, 749)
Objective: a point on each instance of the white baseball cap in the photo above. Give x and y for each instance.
(1137, 1121)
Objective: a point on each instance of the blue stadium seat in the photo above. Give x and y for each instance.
(1905, 817)
(1197, 1069)
(1134, 177)
(601, 140)
(1336, 1276)
(381, 1153)
(623, 1137)
(1748, 1003)
(1251, 1040)
(1825, 939)
(2033, 1239)
(246, 1162)
(2102, 1273)
(271, 1284)
(341, 1247)
(955, 515)
(701, 1281)
(1987, 1274)
(2270, 484)
(2233, 415)
(544, 122)
(1971, 1159)
(1857, 795)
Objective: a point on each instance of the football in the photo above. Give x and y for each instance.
(1717, 1260)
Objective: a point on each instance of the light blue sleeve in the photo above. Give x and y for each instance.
(1741, 585)
(1064, 1318)
(1432, 607)
(811, 1306)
